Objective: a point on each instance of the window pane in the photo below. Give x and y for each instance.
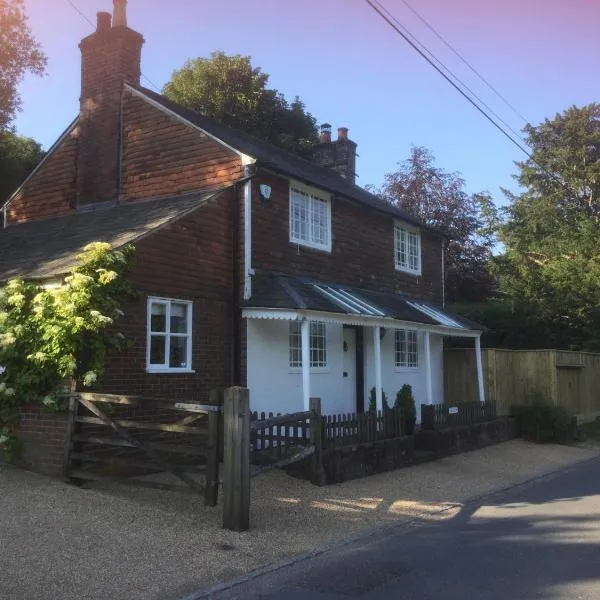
(179, 318)
(178, 352)
(295, 345)
(319, 225)
(157, 349)
(158, 317)
(299, 216)
(318, 345)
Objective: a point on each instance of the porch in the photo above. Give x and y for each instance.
(311, 339)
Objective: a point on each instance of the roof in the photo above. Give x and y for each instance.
(288, 292)
(284, 162)
(48, 248)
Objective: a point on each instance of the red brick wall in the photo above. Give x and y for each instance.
(362, 246)
(162, 156)
(43, 434)
(51, 190)
(188, 260)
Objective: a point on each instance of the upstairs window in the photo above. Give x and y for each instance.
(407, 249)
(169, 345)
(407, 349)
(318, 345)
(310, 217)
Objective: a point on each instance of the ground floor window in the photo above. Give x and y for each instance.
(169, 335)
(318, 345)
(406, 349)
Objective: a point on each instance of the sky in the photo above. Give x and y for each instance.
(352, 70)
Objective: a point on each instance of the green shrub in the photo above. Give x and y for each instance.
(405, 401)
(542, 422)
(373, 400)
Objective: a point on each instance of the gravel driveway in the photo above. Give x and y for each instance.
(68, 543)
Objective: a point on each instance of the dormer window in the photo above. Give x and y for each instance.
(407, 249)
(310, 217)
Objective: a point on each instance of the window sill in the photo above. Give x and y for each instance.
(406, 369)
(313, 370)
(172, 371)
(310, 246)
(408, 271)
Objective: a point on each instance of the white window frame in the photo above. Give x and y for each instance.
(403, 229)
(403, 364)
(297, 367)
(312, 195)
(167, 302)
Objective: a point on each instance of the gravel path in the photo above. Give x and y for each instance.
(68, 543)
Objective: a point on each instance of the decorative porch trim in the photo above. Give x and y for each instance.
(346, 319)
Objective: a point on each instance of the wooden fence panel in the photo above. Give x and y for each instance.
(567, 379)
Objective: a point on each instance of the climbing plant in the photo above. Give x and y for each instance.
(53, 335)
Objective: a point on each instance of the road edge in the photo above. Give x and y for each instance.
(208, 592)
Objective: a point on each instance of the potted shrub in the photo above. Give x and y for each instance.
(405, 401)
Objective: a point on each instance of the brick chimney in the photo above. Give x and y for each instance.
(339, 155)
(109, 57)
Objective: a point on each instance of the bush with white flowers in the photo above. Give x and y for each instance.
(53, 335)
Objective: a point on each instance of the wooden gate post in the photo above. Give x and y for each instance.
(72, 446)
(316, 439)
(211, 491)
(236, 482)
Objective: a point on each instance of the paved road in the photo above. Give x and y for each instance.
(540, 540)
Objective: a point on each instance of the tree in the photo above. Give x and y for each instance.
(232, 91)
(18, 156)
(19, 54)
(439, 199)
(552, 230)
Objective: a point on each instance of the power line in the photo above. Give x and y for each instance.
(443, 67)
(380, 10)
(397, 29)
(74, 7)
(465, 61)
(83, 16)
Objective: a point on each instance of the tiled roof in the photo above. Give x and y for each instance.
(283, 291)
(47, 248)
(284, 162)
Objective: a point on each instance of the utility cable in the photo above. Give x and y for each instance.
(83, 16)
(464, 60)
(381, 11)
(443, 67)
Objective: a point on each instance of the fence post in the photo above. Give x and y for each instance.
(236, 483)
(211, 491)
(71, 446)
(316, 439)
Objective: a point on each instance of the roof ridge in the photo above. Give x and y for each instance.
(289, 162)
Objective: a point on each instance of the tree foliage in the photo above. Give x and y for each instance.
(54, 334)
(439, 199)
(552, 231)
(18, 156)
(19, 54)
(230, 90)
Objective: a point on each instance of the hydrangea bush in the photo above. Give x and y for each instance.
(53, 335)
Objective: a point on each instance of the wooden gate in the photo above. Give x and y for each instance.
(254, 445)
(133, 439)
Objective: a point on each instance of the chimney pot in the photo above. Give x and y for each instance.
(103, 21)
(325, 135)
(119, 13)
(342, 133)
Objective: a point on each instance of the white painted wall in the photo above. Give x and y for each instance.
(393, 379)
(274, 387)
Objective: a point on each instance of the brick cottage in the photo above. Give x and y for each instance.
(255, 267)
